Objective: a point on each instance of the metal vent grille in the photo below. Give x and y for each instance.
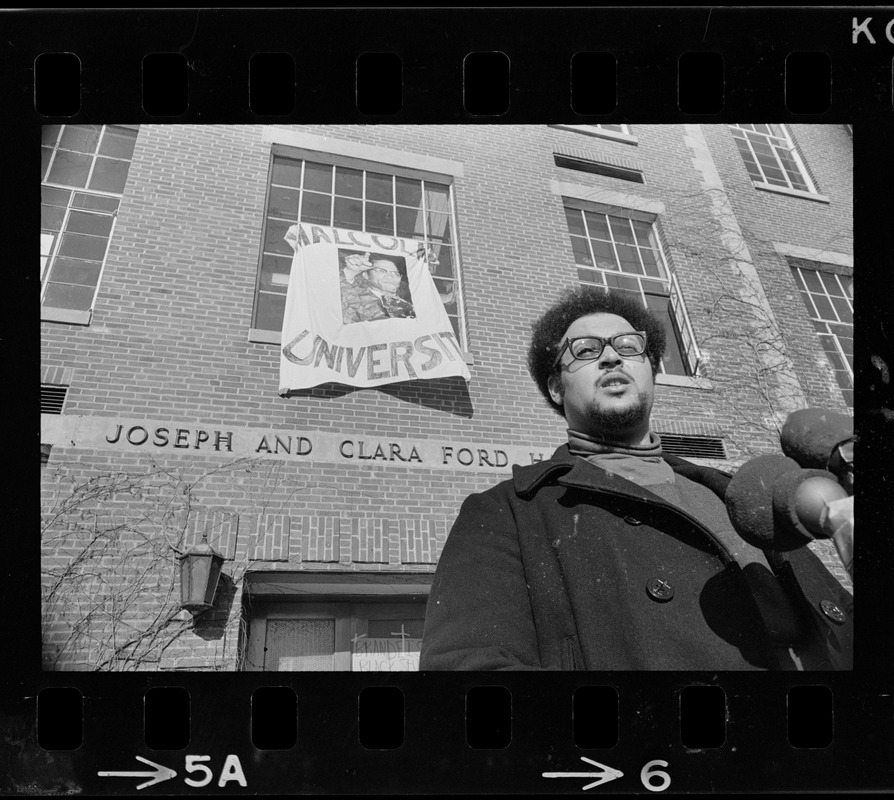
(52, 398)
(598, 168)
(692, 446)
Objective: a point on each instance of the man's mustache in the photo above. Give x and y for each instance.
(613, 376)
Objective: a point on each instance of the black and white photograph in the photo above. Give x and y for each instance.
(451, 401)
(657, 327)
(373, 288)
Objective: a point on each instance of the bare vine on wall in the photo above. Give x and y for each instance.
(734, 309)
(110, 567)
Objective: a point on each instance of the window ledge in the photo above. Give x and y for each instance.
(589, 130)
(264, 337)
(49, 314)
(769, 187)
(259, 336)
(684, 382)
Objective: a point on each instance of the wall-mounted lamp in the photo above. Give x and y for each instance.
(199, 573)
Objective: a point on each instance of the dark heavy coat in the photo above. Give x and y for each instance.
(553, 570)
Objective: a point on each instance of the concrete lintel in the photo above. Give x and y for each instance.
(343, 584)
(608, 197)
(813, 254)
(362, 152)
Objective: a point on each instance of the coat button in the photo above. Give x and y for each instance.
(632, 520)
(660, 590)
(833, 612)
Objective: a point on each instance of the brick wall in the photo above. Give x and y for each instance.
(169, 340)
(827, 151)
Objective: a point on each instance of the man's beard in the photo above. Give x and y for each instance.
(619, 420)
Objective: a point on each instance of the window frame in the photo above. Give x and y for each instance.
(334, 159)
(689, 351)
(805, 293)
(50, 313)
(59, 313)
(812, 190)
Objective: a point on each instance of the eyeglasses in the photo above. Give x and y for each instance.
(589, 348)
(385, 269)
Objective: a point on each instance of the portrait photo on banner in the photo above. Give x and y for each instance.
(364, 310)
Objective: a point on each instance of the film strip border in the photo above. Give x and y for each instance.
(448, 65)
(473, 733)
(486, 83)
(435, 755)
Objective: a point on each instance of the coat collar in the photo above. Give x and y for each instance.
(571, 470)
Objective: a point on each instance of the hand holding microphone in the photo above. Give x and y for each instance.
(825, 440)
(838, 518)
(774, 502)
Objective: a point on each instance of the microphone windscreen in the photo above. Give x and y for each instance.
(810, 435)
(749, 498)
(800, 499)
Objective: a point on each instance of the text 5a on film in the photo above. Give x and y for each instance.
(194, 764)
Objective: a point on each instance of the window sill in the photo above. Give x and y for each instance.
(264, 337)
(49, 314)
(769, 187)
(259, 336)
(684, 381)
(589, 130)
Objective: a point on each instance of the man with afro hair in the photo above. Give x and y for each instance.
(613, 555)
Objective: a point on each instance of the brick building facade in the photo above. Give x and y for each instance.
(163, 272)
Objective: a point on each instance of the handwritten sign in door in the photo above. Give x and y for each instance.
(386, 655)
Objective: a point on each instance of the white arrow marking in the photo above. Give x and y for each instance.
(158, 774)
(607, 774)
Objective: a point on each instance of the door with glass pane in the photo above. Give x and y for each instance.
(335, 636)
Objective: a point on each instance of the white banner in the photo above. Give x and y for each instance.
(362, 310)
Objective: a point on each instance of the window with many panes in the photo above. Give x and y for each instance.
(829, 300)
(353, 198)
(771, 157)
(623, 253)
(83, 173)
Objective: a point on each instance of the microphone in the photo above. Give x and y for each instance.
(773, 503)
(819, 439)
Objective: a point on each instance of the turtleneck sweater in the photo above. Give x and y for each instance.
(643, 465)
